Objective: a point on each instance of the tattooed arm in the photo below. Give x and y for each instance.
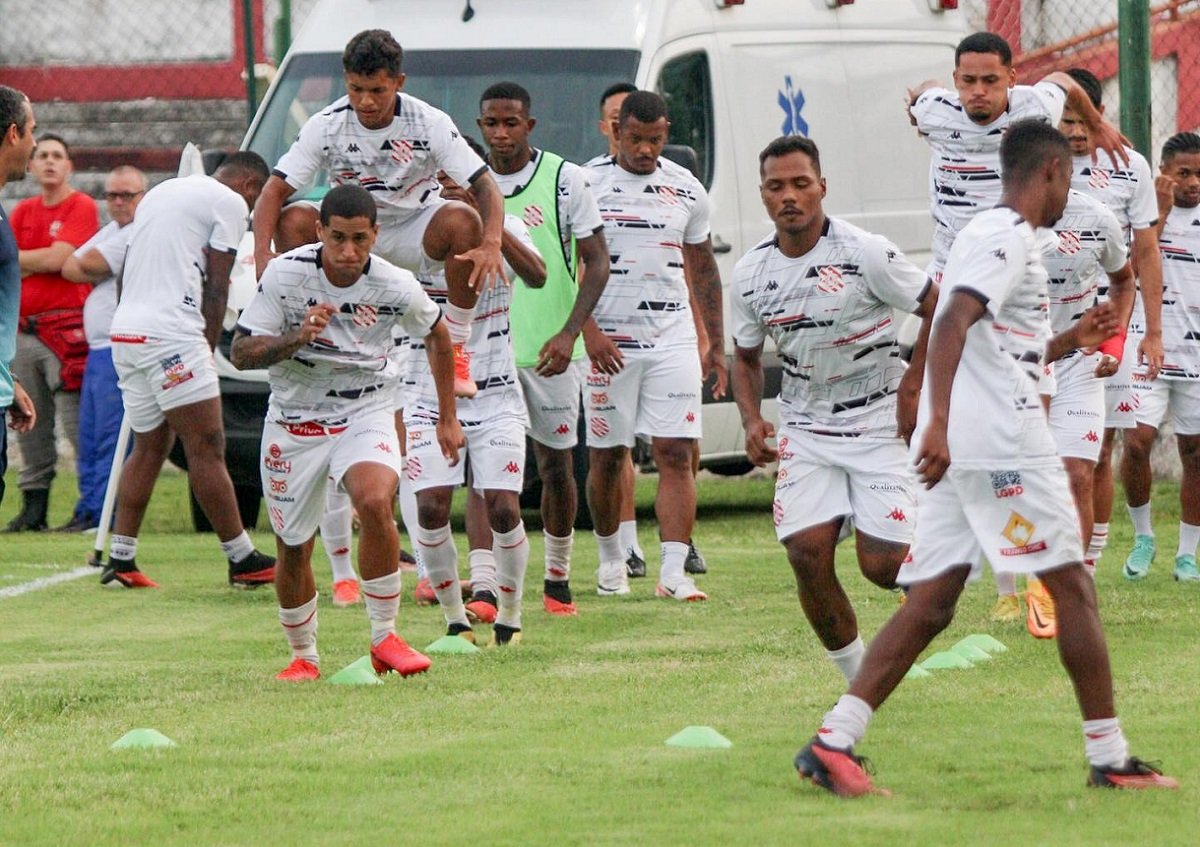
(261, 351)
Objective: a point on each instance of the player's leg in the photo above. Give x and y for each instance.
(453, 229)
(1136, 477)
(512, 558)
(481, 559)
(675, 507)
(635, 557)
(296, 592)
(1102, 500)
(560, 503)
(336, 536)
(1186, 422)
(695, 563)
(604, 500)
(138, 476)
(33, 365)
(810, 552)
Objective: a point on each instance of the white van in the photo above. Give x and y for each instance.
(735, 76)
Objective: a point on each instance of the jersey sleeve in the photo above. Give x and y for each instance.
(582, 216)
(229, 224)
(697, 230)
(891, 277)
(264, 314)
(517, 229)
(1113, 254)
(923, 109)
(1143, 205)
(1053, 98)
(451, 152)
(306, 156)
(422, 313)
(80, 222)
(746, 325)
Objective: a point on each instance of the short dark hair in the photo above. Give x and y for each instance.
(643, 106)
(1026, 146)
(1184, 142)
(506, 91)
(53, 136)
(12, 109)
(785, 144)
(617, 88)
(348, 201)
(1089, 82)
(244, 163)
(373, 50)
(984, 42)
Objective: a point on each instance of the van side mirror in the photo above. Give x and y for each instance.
(683, 155)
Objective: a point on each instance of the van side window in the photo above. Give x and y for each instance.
(686, 85)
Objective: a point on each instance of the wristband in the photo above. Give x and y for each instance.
(1114, 346)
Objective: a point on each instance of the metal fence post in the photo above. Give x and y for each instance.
(248, 48)
(1134, 58)
(283, 31)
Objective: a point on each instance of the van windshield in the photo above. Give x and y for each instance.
(565, 86)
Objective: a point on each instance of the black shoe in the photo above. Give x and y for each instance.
(406, 558)
(635, 565)
(503, 635)
(560, 591)
(462, 630)
(79, 523)
(251, 572)
(694, 563)
(32, 518)
(122, 573)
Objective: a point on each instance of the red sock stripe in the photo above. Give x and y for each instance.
(302, 623)
(371, 596)
(511, 546)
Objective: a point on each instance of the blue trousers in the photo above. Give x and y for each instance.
(100, 413)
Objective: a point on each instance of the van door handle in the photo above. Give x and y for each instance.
(719, 245)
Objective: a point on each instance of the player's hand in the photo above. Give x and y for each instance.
(555, 355)
(1096, 325)
(933, 456)
(316, 318)
(22, 415)
(1109, 139)
(1164, 193)
(908, 398)
(488, 267)
(605, 356)
(450, 438)
(1107, 366)
(713, 364)
(1150, 354)
(758, 451)
(910, 99)
(261, 257)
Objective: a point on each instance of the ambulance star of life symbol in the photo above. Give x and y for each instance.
(791, 100)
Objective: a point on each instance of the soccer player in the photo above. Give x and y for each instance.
(992, 480)
(393, 145)
(824, 291)
(1178, 385)
(494, 421)
(552, 198)
(322, 322)
(649, 378)
(171, 304)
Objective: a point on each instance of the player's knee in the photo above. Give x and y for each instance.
(432, 513)
(456, 228)
(811, 560)
(555, 469)
(504, 513)
(375, 508)
(673, 454)
(881, 569)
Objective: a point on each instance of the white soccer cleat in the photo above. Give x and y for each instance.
(682, 589)
(612, 579)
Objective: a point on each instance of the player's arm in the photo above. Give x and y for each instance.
(249, 352)
(700, 270)
(440, 352)
(525, 261)
(90, 267)
(555, 355)
(1094, 326)
(1104, 135)
(912, 94)
(266, 219)
(747, 394)
(1121, 285)
(22, 414)
(214, 292)
(908, 394)
(1147, 263)
(46, 260)
(487, 263)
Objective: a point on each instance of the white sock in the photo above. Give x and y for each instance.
(1140, 515)
(441, 565)
(122, 547)
(1104, 743)
(407, 498)
(610, 547)
(238, 547)
(849, 658)
(382, 596)
(483, 570)
(336, 532)
(300, 627)
(674, 554)
(846, 723)
(629, 538)
(1189, 538)
(558, 556)
(512, 557)
(1006, 583)
(1097, 542)
(458, 322)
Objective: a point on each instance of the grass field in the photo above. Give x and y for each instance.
(561, 740)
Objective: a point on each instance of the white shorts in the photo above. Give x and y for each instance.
(825, 477)
(553, 404)
(156, 376)
(1181, 396)
(299, 460)
(1122, 390)
(495, 450)
(1077, 410)
(656, 394)
(401, 241)
(1024, 521)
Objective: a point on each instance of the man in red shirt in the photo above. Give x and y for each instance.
(48, 229)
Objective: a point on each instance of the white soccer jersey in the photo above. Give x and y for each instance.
(1179, 246)
(490, 350)
(965, 170)
(348, 368)
(578, 214)
(1127, 190)
(110, 242)
(647, 220)
(830, 315)
(996, 416)
(397, 164)
(1088, 245)
(165, 265)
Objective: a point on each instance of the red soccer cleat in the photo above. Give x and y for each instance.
(346, 593)
(253, 571)
(300, 670)
(482, 607)
(839, 771)
(464, 386)
(423, 593)
(127, 576)
(393, 654)
(1135, 775)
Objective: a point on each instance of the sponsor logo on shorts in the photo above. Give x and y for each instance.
(1125, 406)
(690, 417)
(533, 216)
(311, 429)
(512, 467)
(275, 451)
(278, 486)
(283, 466)
(598, 426)
(276, 514)
(1007, 484)
(562, 429)
(1019, 531)
(554, 408)
(504, 442)
(414, 468)
(610, 407)
(782, 474)
(777, 512)
(1092, 437)
(887, 486)
(897, 514)
(175, 372)
(829, 279)
(598, 380)
(687, 395)
(599, 398)
(1081, 413)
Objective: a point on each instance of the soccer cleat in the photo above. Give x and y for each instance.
(1040, 620)
(79, 523)
(121, 574)
(1134, 774)
(346, 593)
(393, 654)
(408, 564)
(300, 670)
(504, 636)
(556, 599)
(1007, 609)
(1089, 565)
(839, 771)
(251, 572)
(423, 594)
(612, 579)
(464, 386)
(462, 630)
(1137, 564)
(694, 563)
(635, 565)
(1185, 569)
(482, 607)
(684, 590)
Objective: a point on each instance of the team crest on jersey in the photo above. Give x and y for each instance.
(666, 193)
(402, 151)
(1068, 242)
(1099, 178)
(533, 216)
(829, 279)
(365, 315)
(1019, 531)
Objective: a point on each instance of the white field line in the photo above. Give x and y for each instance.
(45, 582)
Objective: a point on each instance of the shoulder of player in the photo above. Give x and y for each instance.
(754, 258)
(678, 174)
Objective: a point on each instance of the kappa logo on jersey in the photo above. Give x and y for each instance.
(1099, 178)
(1019, 531)
(897, 514)
(829, 279)
(353, 148)
(533, 216)
(562, 429)
(365, 315)
(777, 512)
(598, 426)
(175, 372)
(1068, 242)
(1001, 255)
(1007, 484)
(512, 467)
(772, 285)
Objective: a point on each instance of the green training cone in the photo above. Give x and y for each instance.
(142, 739)
(452, 644)
(985, 643)
(944, 661)
(358, 672)
(970, 652)
(917, 672)
(699, 736)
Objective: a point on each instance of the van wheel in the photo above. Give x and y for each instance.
(249, 501)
